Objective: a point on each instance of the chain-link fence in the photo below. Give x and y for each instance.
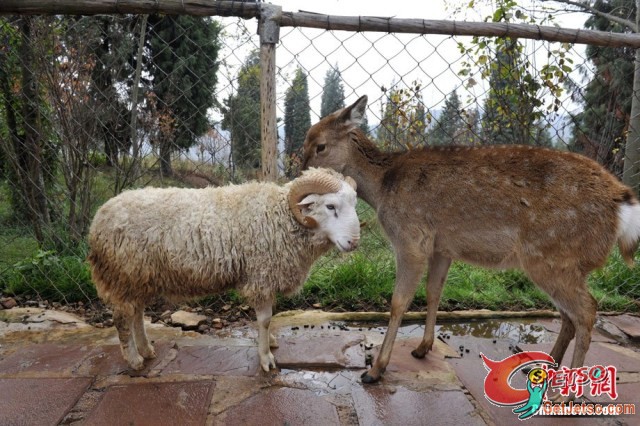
(93, 105)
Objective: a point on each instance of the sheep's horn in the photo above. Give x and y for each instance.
(310, 183)
(351, 182)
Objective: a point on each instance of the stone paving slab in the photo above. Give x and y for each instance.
(219, 381)
(45, 357)
(215, 360)
(153, 404)
(281, 406)
(316, 350)
(377, 405)
(471, 371)
(72, 360)
(553, 325)
(38, 401)
(599, 353)
(629, 324)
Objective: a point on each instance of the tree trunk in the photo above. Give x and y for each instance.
(165, 159)
(33, 168)
(134, 102)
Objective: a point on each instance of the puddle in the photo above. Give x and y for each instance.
(521, 331)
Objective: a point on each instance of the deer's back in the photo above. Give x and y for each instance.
(496, 206)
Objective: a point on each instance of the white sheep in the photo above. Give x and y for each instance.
(258, 238)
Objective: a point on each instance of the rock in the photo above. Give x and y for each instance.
(165, 315)
(216, 320)
(317, 305)
(203, 328)
(226, 307)
(187, 320)
(8, 302)
(55, 316)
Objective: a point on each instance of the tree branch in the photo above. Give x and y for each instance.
(586, 7)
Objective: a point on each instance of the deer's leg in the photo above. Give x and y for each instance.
(410, 267)
(436, 277)
(577, 308)
(567, 333)
(581, 309)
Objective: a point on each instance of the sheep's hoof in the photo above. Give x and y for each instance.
(148, 353)
(136, 363)
(268, 362)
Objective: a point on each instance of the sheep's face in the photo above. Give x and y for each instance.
(335, 215)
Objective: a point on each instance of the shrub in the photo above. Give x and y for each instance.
(51, 277)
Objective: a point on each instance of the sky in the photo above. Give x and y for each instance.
(370, 61)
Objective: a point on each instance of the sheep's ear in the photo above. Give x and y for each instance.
(305, 207)
(307, 201)
(354, 114)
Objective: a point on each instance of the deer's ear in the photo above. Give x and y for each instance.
(354, 114)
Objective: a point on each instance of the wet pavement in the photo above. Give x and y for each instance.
(56, 369)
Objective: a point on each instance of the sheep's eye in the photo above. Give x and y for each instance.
(331, 207)
(320, 148)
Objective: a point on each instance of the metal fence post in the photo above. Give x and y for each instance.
(269, 31)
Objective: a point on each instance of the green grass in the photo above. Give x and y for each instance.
(362, 280)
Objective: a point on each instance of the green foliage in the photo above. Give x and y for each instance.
(449, 126)
(332, 92)
(514, 109)
(113, 45)
(600, 130)
(242, 115)
(404, 119)
(297, 120)
(51, 277)
(183, 66)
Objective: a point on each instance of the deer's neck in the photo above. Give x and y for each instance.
(367, 168)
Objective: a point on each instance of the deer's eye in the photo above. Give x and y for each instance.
(320, 148)
(331, 207)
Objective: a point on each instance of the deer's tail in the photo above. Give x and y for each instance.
(629, 231)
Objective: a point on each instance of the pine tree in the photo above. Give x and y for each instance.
(184, 62)
(600, 129)
(297, 120)
(332, 93)
(404, 117)
(242, 115)
(450, 123)
(510, 110)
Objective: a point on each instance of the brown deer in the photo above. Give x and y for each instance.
(555, 215)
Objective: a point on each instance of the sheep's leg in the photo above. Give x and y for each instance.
(437, 275)
(123, 316)
(263, 314)
(410, 267)
(142, 341)
(273, 341)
